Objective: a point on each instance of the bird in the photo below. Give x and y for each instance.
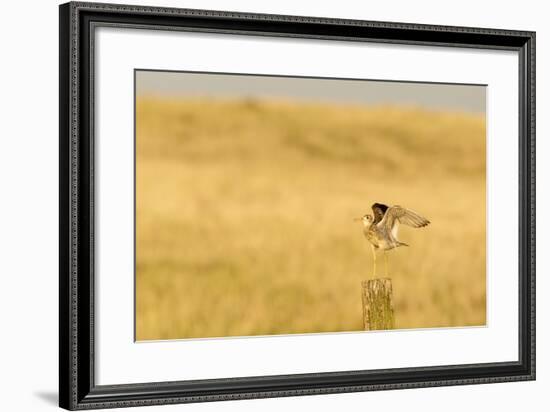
(382, 226)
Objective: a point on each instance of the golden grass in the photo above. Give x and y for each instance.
(244, 215)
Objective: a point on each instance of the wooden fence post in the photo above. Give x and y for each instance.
(377, 304)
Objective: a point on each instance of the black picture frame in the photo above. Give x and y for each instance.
(77, 387)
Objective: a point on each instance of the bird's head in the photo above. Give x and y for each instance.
(366, 219)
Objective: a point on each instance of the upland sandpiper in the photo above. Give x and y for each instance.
(381, 228)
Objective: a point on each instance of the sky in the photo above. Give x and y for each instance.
(433, 96)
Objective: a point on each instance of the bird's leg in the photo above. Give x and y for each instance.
(373, 261)
(386, 263)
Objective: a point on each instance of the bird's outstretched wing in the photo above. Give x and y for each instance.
(398, 214)
(379, 210)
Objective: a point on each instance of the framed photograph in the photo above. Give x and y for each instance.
(262, 206)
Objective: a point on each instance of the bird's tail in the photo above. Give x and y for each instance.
(402, 244)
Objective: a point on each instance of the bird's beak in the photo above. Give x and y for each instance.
(357, 219)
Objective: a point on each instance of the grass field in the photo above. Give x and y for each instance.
(244, 215)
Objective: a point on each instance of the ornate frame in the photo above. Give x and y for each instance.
(77, 389)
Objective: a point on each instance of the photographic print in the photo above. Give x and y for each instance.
(283, 186)
(273, 205)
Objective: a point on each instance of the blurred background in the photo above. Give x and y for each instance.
(246, 190)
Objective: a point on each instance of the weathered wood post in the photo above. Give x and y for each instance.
(377, 304)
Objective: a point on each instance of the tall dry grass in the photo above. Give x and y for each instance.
(244, 215)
